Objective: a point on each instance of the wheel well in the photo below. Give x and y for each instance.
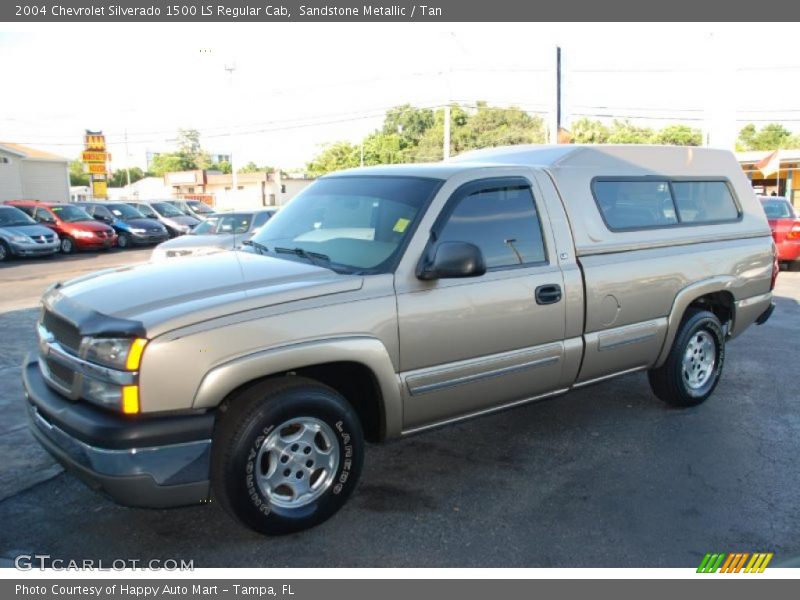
(719, 303)
(354, 381)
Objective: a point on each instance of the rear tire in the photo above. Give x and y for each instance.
(694, 364)
(287, 455)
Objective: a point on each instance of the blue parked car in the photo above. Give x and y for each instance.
(132, 227)
(22, 236)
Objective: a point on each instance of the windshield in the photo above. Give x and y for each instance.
(148, 212)
(124, 212)
(200, 207)
(778, 209)
(166, 210)
(355, 224)
(219, 224)
(10, 217)
(70, 214)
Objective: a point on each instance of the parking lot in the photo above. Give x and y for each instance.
(607, 476)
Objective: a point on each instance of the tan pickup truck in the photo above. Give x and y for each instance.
(384, 301)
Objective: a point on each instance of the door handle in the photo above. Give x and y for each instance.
(548, 294)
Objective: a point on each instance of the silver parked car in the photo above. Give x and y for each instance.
(22, 236)
(220, 231)
(192, 208)
(173, 219)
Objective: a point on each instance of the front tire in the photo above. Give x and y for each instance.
(287, 455)
(694, 364)
(67, 245)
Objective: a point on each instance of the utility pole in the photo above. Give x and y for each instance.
(230, 68)
(446, 143)
(558, 91)
(555, 113)
(127, 159)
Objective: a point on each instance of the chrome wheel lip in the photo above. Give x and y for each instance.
(280, 453)
(699, 360)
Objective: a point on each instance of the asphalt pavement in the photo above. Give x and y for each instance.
(606, 476)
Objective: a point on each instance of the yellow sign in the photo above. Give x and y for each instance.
(96, 168)
(99, 189)
(90, 156)
(95, 141)
(401, 225)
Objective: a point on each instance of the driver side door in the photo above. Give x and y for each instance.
(469, 345)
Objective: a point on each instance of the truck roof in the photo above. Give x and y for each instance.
(573, 167)
(611, 159)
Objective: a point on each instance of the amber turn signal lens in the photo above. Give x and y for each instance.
(135, 354)
(130, 399)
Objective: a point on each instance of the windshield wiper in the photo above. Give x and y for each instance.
(309, 256)
(260, 248)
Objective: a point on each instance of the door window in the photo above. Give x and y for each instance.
(502, 220)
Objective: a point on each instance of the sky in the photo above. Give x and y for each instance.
(276, 93)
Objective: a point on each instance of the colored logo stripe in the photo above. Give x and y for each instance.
(734, 562)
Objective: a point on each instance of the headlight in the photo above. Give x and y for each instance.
(138, 230)
(20, 238)
(83, 234)
(109, 395)
(116, 353)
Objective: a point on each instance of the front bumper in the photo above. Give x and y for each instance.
(95, 244)
(153, 462)
(34, 249)
(143, 239)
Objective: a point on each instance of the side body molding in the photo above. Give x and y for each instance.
(370, 352)
(721, 283)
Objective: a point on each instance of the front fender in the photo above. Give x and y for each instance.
(223, 379)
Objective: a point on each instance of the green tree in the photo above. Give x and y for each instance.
(170, 162)
(678, 135)
(340, 155)
(77, 176)
(189, 156)
(222, 166)
(625, 132)
(588, 131)
(252, 167)
(770, 137)
(120, 177)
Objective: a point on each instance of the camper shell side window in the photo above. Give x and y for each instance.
(656, 202)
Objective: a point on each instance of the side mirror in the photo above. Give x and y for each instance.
(452, 260)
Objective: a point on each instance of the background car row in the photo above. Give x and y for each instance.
(33, 228)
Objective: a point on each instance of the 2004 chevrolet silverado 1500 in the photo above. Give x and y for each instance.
(384, 301)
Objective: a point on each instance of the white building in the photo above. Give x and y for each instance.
(29, 174)
(148, 188)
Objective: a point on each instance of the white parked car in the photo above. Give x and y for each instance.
(220, 231)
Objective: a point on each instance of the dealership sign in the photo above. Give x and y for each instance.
(95, 157)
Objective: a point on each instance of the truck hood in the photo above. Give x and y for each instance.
(200, 241)
(167, 295)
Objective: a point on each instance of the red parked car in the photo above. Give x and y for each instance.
(76, 228)
(785, 226)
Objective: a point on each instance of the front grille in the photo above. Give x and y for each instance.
(60, 373)
(65, 333)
